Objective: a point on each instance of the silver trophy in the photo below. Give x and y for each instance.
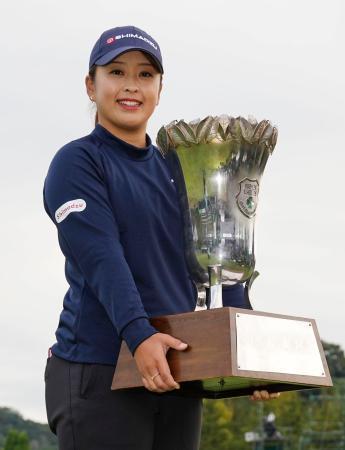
(218, 163)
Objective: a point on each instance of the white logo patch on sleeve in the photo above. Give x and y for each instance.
(76, 205)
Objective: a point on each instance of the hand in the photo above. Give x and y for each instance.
(152, 363)
(264, 395)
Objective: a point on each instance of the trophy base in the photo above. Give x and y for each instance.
(227, 387)
(232, 352)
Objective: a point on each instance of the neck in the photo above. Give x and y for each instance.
(136, 137)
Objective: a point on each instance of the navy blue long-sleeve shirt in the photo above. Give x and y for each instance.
(119, 227)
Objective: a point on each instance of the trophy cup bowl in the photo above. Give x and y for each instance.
(217, 164)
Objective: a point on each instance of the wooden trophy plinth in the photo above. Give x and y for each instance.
(232, 352)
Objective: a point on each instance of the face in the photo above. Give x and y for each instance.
(130, 76)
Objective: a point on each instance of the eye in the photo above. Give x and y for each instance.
(116, 70)
(147, 73)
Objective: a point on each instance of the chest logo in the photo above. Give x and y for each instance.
(76, 205)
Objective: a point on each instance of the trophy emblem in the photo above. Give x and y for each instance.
(247, 198)
(218, 163)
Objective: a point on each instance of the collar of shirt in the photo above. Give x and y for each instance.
(126, 149)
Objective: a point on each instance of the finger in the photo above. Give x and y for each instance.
(161, 385)
(145, 383)
(264, 395)
(175, 343)
(256, 395)
(166, 378)
(151, 384)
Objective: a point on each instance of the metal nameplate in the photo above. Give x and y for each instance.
(272, 344)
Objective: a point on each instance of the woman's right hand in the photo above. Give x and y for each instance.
(150, 357)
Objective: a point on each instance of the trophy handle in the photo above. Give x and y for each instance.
(248, 286)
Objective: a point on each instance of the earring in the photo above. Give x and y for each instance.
(92, 99)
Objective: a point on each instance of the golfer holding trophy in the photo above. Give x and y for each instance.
(152, 239)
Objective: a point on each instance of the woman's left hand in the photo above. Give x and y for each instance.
(264, 395)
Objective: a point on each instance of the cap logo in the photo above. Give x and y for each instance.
(131, 35)
(76, 205)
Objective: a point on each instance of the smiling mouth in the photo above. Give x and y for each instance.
(129, 105)
(129, 102)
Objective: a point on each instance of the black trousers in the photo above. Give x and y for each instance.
(86, 414)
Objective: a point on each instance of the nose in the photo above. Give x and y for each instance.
(130, 82)
(131, 89)
(130, 85)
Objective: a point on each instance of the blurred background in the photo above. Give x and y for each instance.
(281, 60)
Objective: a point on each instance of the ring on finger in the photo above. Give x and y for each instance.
(154, 376)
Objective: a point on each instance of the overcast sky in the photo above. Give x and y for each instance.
(281, 60)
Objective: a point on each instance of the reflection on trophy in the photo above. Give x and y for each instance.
(218, 163)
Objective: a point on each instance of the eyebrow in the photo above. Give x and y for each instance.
(122, 62)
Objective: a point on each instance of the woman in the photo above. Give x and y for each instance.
(113, 201)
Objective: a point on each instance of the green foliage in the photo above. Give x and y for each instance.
(335, 359)
(216, 433)
(301, 419)
(39, 435)
(16, 440)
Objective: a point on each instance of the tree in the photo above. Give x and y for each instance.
(16, 440)
(215, 430)
(335, 359)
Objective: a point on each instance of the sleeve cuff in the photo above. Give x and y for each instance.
(233, 295)
(136, 332)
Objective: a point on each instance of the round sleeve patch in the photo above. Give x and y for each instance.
(76, 205)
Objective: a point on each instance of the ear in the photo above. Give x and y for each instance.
(90, 87)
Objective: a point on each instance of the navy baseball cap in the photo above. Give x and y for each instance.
(119, 40)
